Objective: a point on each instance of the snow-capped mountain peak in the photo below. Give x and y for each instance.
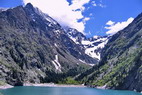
(92, 46)
(95, 37)
(75, 35)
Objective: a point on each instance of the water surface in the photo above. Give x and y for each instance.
(63, 91)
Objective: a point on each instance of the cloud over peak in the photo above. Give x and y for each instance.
(114, 27)
(63, 12)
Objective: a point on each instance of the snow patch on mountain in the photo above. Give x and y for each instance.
(75, 40)
(56, 63)
(82, 61)
(50, 20)
(94, 50)
(92, 46)
(86, 42)
(76, 36)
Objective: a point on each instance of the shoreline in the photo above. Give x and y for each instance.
(6, 86)
(102, 87)
(53, 85)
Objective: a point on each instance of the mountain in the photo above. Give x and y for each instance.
(121, 63)
(92, 45)
(34, 48)
(3, 9)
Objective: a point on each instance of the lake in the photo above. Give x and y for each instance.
(63, 91)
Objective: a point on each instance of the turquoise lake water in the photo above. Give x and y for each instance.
(63, 91)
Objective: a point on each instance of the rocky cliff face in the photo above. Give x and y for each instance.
(121, 64)
(34, 48)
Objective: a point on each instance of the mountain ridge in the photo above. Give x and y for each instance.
(92, 45)
(120, 66)
(35, 48)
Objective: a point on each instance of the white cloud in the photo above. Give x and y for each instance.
(86, 19)
(110, 23)
(94, 3)
(88, 33)
(63, 12)
(101, 5)
(90, 14)
(79, 4)
(115, 27)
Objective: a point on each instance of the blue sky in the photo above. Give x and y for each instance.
(93, 15)
(114, 10)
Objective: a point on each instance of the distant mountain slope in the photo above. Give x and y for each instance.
(121, 64)
(34, 48)
(92, 46)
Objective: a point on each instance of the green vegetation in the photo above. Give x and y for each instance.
(2, 83)
(120, 67)
(69, 80)
(112, 74)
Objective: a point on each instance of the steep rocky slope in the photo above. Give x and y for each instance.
(34, 48)
(121, 64)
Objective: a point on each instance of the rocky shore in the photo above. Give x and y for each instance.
(53, 85)
(6, 86)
